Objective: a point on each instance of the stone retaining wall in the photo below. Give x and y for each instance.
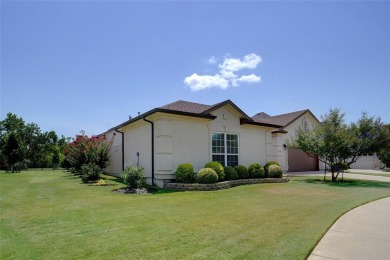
(220, 185)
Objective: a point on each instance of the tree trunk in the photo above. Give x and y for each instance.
(334, 177)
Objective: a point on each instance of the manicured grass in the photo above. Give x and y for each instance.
(51, 214)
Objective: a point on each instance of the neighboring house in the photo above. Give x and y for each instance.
(185, 132)
(368, 162)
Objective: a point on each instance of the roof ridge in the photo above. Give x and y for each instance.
(294, 112)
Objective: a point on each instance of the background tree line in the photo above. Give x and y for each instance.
(24, 145)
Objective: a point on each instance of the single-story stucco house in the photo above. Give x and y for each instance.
(186, 132)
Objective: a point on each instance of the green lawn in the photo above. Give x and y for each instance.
(52, 215)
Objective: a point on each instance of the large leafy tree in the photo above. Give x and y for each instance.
(338, 144)
(27, 144)
(384, 148)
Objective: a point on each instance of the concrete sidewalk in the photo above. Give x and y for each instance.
(362, 233)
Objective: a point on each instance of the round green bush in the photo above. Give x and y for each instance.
(207, 175)
(133, 176)
(185, 173)
(269, 164)
(274, 171)
(218, 168)
(230, 173)
(242, 171)
(90, 172)
(256, 171)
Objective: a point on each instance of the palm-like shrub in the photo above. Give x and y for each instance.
(218, 168)
(185, 173)
(274, 171)
(206, 175)
(242, 171)
(256, 171)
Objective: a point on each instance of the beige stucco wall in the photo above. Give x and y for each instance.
(182, 139)
(115, 166)
(137, 138)
(298, 123)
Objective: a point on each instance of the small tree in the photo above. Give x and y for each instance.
(88, 150)
(337, 144)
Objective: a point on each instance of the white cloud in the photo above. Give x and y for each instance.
(252, 78)
(249, 61)
(212, 60)
(227, 75)
(199, 82)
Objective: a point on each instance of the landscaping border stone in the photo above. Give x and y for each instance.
(220, 185)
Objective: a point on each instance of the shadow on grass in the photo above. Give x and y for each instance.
(349, 183)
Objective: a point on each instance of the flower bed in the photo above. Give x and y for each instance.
(220, 185)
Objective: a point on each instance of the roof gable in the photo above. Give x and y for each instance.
(185, 106)
(283, 119)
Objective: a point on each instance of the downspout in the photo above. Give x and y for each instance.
(151, 123)
(123, 149)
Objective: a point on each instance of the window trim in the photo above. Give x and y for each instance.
(225, 154)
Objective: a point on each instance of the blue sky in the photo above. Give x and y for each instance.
(88, 65)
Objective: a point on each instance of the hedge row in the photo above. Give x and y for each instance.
(214, 172)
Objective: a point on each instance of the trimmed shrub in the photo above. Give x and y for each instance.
(256, 171)
(218, 168)
(274, 171)
(185, 173)
(90, 172)
(269, 164)
(230, 173)
(207, 175)
(242, 171)
(133, 176)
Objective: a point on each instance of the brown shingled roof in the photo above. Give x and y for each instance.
(186, 106)
(283, 119)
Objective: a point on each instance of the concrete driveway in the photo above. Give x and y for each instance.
(354, 174)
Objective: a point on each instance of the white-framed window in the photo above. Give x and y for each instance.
(224, 148)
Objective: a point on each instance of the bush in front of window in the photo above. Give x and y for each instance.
(230, 173)
(242, 171)
(256, 171)
(274, 171)
(207, 175)
(268, 164)
(185, 173)
(218, 168)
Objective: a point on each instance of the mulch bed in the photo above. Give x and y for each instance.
(127, 190)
